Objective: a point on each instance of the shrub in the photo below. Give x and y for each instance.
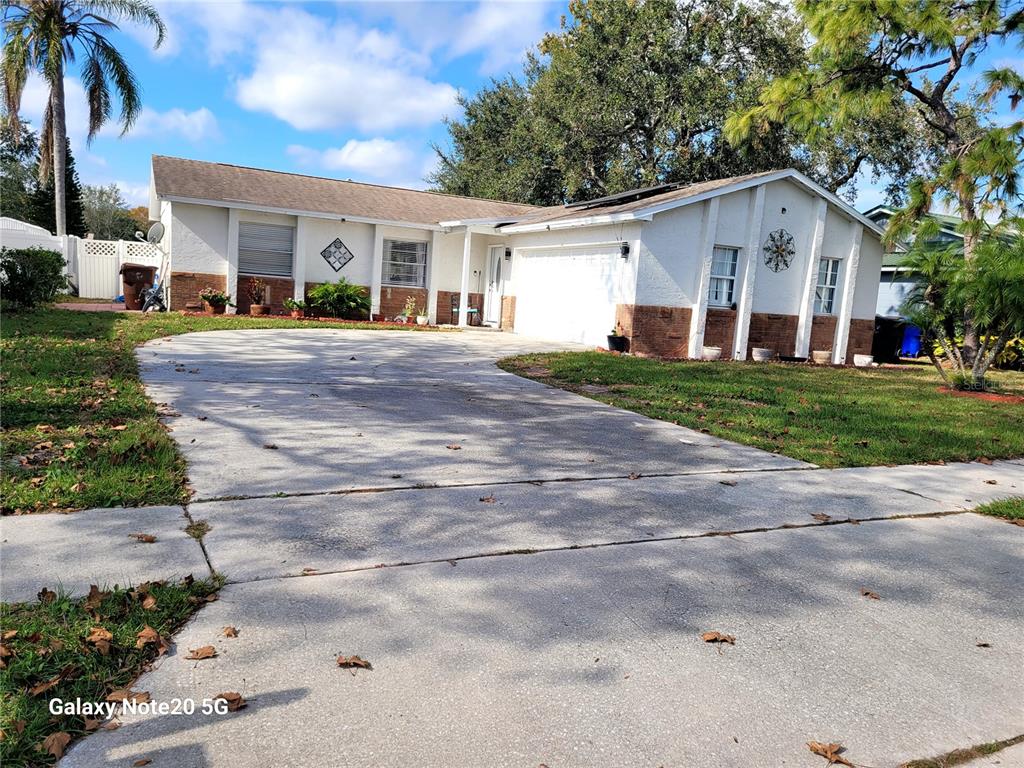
(31, 276)
(215, 298)
(340, 299)
(292, 304)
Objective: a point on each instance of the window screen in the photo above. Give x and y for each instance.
(825, 293)
(265, 249)
(405, 263)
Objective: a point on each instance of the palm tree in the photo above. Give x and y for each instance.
(45, 36)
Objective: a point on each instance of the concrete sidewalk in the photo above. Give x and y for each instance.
(593, 657)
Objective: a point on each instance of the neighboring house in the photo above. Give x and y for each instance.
(897, 282)
(769, 260)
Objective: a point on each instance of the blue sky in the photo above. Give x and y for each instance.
(346, 90)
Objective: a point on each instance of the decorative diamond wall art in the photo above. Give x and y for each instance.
(779, 250)
(337, 254)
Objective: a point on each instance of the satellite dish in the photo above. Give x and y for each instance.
(156, 233)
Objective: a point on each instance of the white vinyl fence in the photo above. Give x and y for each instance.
(93, 266)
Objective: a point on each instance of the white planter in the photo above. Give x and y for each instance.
(711, 353)
(863, 361)
(421, 319)
(822, 356)
(762, 354)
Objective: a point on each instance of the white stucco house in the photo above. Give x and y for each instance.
(768, 260)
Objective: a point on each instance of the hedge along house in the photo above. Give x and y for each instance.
(766, 260)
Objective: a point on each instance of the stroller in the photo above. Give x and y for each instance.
(153, 297)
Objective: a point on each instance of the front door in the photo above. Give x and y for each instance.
(495, 284)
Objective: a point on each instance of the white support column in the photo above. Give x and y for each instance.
(464, 289)
(432, 258)
(698, 315)
(752, 254)
(846, 298)
(232, 278)
(377, 269)
(299, 259)
(806, 317)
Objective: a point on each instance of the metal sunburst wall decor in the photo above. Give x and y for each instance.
(779, 250)
(337, 254)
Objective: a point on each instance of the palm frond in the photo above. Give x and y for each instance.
(136, 11)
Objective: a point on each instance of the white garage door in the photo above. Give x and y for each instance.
(567, 294)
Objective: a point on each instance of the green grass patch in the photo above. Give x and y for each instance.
(52, 649)
(1009, 509)
(833, 417)
(961, 756)
(78, 429)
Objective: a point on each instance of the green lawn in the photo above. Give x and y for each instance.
(51, 649)
(78, 429)
(834, 417)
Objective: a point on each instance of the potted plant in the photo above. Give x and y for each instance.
(822, 356)
(617, 341)
(295, 308)
(711, 353)
(257, 291)
(214, 301)
(762, 354)
(409, 312)
(421, 316)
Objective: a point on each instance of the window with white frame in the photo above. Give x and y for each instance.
(723, 276)
(405, 263)
(265, 249)
(825, 293)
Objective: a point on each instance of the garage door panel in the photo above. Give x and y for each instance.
(567, 294)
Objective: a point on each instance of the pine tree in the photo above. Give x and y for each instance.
(41, 207)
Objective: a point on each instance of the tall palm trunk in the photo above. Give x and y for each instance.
(59, 150)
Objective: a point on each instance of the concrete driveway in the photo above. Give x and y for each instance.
(535, 596)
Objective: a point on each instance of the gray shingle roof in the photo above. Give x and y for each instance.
(180, 178)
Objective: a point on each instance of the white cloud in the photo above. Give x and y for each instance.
(135, 193)
(502, 31)
(197, 125)
(375, 158)
(318, 76)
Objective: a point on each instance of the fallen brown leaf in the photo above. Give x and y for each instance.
(229, 632)
(454, 447)
(46, 596)
(718, 637)
(94, 598)
(488, 499)
(43, 687)
(146, 636)
(145, 538)
(234, 700)
(149, 603)
(90, 724)
(8, 634)
(634, 475)
(270, 446)
(99, 634)
(821, 517)
(727, 482)
(984, 645)
(56, 743)
(992, 482)
(351, 662)
(984, 460)
(141, 762)
(120, 427)
(830, 752)
(124, 694)
(869, 594)
(198, 654)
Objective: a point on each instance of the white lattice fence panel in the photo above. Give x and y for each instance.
(99, 265)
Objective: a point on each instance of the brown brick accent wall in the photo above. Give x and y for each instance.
(508, 313)
(823, 332)
(720, 330)
(655, 330)
(392, 299)
(280, 288)
(185, 287)
(776, 332)
(476, 301)
(862, 333)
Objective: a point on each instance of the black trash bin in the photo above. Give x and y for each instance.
(136, 278)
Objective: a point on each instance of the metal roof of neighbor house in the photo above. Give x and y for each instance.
(180, 179)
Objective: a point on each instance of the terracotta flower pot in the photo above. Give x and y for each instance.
(296, 314)
(259, 309)
(822, 356)
(214, 309)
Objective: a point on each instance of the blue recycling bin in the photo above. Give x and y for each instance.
(911, 346)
